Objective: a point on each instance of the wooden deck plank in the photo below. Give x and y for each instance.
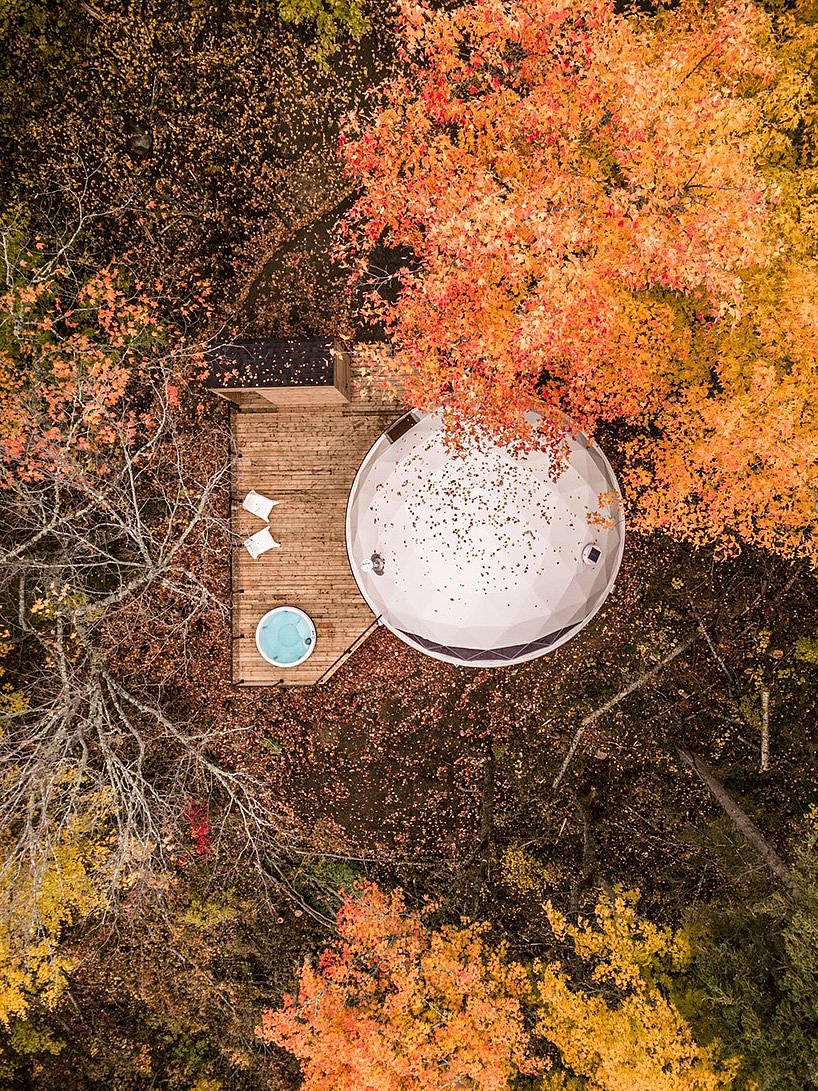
(306, 461)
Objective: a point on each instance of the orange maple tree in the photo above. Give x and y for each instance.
(396, 1007)
(65, 364)
(572, 184)
(608, 217)
(81, 359)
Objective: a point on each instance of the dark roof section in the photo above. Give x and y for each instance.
(247, 364)
(479, 655)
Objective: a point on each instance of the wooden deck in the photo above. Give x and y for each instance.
(306, 458)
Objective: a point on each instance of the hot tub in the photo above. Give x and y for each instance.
(285, 636)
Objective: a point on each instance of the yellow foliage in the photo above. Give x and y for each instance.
(741, 464)
(738, 457)
(207, 913)
(523, 872)
(626, 949)
(28, 1039)
(36, 906)
(12, 701)
(206, 1084)
(625, 1034)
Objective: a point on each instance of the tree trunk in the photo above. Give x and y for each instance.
(487, 816)
(740, 819)
(592, 717)
(765, 730)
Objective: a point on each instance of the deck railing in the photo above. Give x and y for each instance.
(342, 658)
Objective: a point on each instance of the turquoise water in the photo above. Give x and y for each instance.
(286, 637)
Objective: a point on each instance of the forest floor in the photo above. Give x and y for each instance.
(434, 773)
(298, 287)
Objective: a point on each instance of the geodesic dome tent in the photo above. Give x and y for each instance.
(481, 559)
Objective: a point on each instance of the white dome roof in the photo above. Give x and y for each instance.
(481, 559)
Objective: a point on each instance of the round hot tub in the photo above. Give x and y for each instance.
(285, 636)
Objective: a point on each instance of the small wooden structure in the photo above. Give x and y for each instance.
(255, 374)
(303, 416)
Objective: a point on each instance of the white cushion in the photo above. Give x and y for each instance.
(258, 504)
(260, 542)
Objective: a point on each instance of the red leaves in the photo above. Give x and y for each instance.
(196, 816)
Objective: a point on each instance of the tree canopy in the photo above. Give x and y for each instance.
(593, 230)
(398, 1004)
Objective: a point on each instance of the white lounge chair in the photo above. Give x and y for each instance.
(260, 542)
(258, 504)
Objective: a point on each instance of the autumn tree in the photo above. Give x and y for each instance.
(40, 900)
(734, 455)
(590, 228)
(563, 179)
(163, 986)
(396, 1003)
(113, 509)
(621, 1030)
